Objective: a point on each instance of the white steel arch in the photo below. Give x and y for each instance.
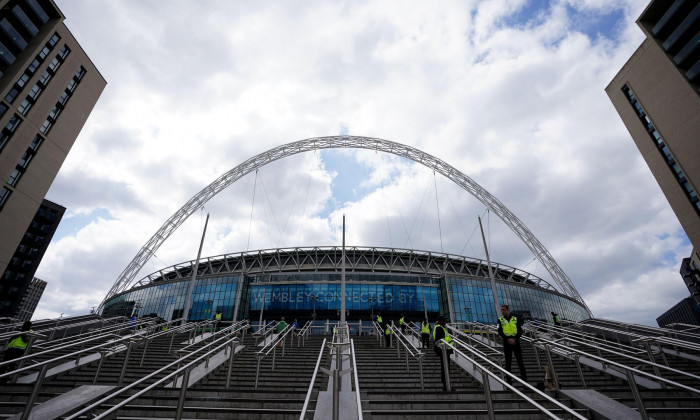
(345, 142)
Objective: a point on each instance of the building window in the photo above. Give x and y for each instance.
(28, 25)
(12, 33)
(9, 129)
(31, 69)
(38, 10)
(663, 149)
(6, 55)
(62, 101)
(4, 194)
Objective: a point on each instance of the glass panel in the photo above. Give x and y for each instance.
(6, 55)
(31, 28)
(38, 11)
(12, 33)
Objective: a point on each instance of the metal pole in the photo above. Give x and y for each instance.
(446, 366)
(188, 302)
(551, 365)
(580, 371)
(99, 366)
(336, 385)
(487, 392)
(493, 280)
(183, 392)
(637, 396)
(342, 287)
(35, 392)
(262, 309)
(126, 361)
(230, 365)
(425, 306)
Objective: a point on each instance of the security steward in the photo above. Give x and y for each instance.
(425, 334)
(402, 324)
(16, 348)
(387, 335)
(217, 320)
(440, 333)
(379, 319)
(510, 328)
(555, 318)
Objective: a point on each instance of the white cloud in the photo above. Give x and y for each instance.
(198, 87)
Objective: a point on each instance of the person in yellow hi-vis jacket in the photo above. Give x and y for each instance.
(439, 334)
(510, 328)
(16, 348)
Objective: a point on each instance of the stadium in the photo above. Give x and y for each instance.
(304, 282)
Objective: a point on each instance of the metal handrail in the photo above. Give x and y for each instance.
(275, 341)
(313, 380)
(492, 352)
(271, 347)
(357, 382)
(83, 350)
(571, 335)
(184, 368)
(45, 331)
(486, 373)
(304, 332)
(634, 370)
(401, 340)
(655, 366)
(223, 331)
(660, 333)
(651, 329)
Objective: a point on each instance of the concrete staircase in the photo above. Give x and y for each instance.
(388, 389)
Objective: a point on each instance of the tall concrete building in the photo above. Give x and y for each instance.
(656, 95)
(48, 87)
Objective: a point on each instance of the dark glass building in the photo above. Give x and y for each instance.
(304, 283)
(17, 277)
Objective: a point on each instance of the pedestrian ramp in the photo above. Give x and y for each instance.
(71, 364)
(198, 338)
(65, 403)
(205, 368)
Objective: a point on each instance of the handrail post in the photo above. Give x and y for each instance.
(487, 394)
(172, 338)
(143, 354)
(420, 367)
(577, 358)
(35, 392)
(652, 358)
(551, 365)
(274, 354)
(336, 384)
(183, 393)
(230, 364)
(126, 361)
(257, 373)
(446, 366)
(99, 366)
(637, 395)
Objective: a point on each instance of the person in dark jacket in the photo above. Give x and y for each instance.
(440, 334)
(510, 328)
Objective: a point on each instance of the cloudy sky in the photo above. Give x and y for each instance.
(510, 92)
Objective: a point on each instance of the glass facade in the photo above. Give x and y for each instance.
(318, 295)
(168, 300)
(363, 297)
(472, 300)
